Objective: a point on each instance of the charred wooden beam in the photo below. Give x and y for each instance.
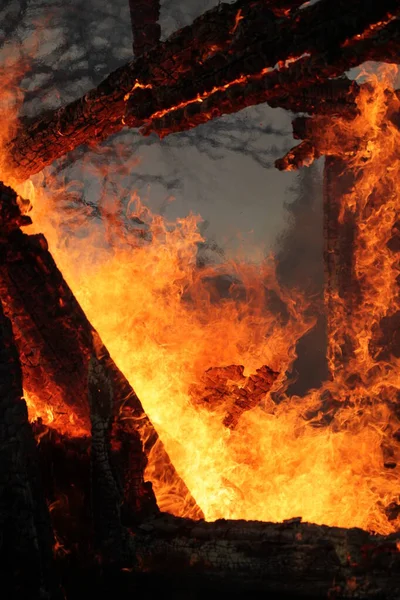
(313, 130)
(286, 561)
(65, 467)
(56, 341)
(228, 390)
(281, 86)
(101, 111)
(289, 559)
(26, 537)
(145, 27)
(176, 86)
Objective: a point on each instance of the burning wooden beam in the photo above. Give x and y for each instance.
(145, 28)
(264, 60)
(228, 390)
(56, 342)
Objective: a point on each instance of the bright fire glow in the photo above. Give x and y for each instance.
(164, 324)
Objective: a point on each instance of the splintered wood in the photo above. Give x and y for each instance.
(228, 390)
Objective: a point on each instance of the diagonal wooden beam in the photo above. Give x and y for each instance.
(56, 342)
(26, 536)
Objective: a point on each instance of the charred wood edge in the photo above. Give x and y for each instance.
(311, 129)
(228, 388)
(26, 538)
(108, 490)
(56, 342)
(107, 494)
(300, 559)
(145, 27)
(160, 90)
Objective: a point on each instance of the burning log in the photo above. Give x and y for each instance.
(56, 341)
(228, 389)
(26, 538)
(290, 559)
(145, 28)
(234, 71)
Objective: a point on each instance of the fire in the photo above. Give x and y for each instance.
(64, 420)
(238, 17)
(166, 321)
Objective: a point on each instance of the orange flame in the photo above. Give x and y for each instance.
(238, 17)
(165, 323)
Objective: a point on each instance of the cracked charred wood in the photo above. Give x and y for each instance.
(229, 391)
(290, 559)
(107, 492)
(101, 111)
(145, 27)
(110, 497)
(26, 537)
(306, 49)
(286, 560)
(174, 87)
(333, 96)
(302, 155)
(278, 87)
(283, 9)
(56, 341)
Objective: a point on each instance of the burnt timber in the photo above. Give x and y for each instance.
(146, 30)
(266, 58)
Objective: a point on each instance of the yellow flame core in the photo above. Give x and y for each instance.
(164, 326)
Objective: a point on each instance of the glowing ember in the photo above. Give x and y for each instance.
(238, 18)
(166, 325)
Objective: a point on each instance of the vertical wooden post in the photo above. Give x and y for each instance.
(341, 287)
(145, 29)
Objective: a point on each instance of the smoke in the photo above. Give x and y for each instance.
(299, 253)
